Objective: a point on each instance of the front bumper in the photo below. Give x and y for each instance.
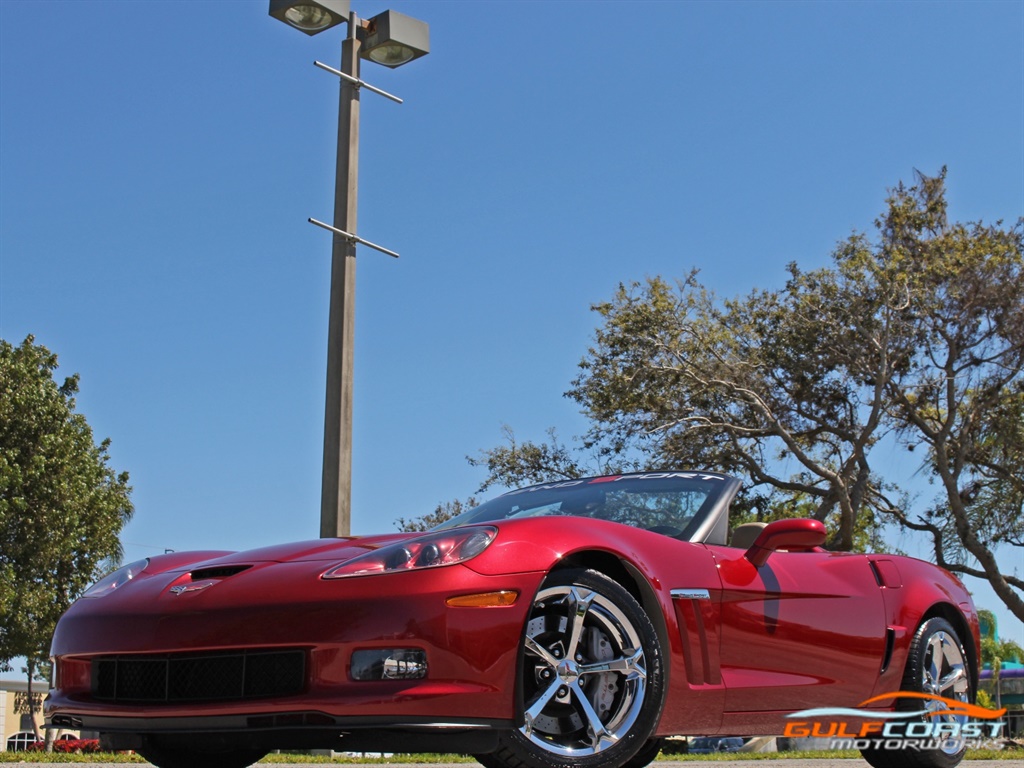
(471, 652)
(293, 730)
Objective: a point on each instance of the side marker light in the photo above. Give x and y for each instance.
(500, 599)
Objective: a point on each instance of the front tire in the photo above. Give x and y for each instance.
(592, 680)
(648, 752)
(176, 757)
(937, 665)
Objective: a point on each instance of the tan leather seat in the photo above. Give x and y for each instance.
(744, 535)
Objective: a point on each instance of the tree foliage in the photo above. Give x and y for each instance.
(446, 510)
(516, 464)
(62, 506)
(915, 337)
(962, 396)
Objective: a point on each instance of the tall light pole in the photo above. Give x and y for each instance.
(391, 39)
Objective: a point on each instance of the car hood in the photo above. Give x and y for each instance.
(333, 550)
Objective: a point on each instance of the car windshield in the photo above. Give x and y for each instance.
(673, 503)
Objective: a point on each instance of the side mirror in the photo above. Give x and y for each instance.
(799, 534)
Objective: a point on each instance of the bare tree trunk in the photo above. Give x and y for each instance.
(30, 699)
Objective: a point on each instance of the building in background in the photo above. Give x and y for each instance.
(15, 714)
(16, 729)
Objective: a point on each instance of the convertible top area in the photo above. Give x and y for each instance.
(691, 506)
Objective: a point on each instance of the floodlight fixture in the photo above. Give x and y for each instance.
(310, 16)
(394, 39)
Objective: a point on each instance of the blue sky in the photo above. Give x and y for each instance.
(159, 159)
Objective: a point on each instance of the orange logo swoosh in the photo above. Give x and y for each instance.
(953, 707)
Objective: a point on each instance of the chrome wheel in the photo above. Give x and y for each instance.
(592, 681)
(938, 664)
(585, 675)
(945, 673)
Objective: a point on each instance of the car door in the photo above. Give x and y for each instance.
(805, 629)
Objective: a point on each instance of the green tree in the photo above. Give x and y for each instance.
(962, 394)
(679, 378)
(62, 506)
(516, 464)
(444, 511)
(916, 335)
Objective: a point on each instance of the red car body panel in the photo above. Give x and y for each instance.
(743, 645)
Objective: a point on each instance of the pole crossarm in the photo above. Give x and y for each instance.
(353, 238)
(357, 82)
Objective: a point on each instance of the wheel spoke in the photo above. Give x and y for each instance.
(538, 706)
(955, 681)
(630, 664)
(532, 646)
(934, 670)
(579, 604)
(600, 737)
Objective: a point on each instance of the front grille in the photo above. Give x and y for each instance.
(221, 676)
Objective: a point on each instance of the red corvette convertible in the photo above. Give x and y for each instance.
(575, 623)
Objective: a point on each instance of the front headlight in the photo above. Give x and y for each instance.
(112, 581)
(432, 551)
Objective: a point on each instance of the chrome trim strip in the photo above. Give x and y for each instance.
(690, 594)
(444, 726)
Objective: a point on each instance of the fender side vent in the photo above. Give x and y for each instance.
(874, 572)
(890, 643)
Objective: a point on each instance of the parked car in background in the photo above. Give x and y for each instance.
(708, 744)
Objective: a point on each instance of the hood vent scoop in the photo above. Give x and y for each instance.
(218, 572)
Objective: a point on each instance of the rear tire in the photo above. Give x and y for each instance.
(938, 665)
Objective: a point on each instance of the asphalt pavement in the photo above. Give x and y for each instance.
(825, 762)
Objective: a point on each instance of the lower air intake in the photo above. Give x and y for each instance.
(221, 676)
